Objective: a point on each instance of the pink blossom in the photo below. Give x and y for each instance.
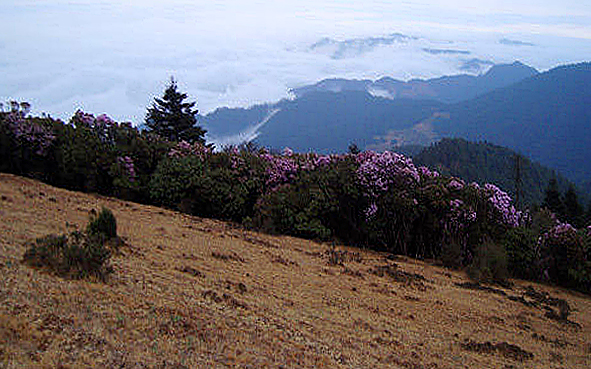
(455, 184)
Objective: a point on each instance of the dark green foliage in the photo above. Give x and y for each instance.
(565, 257)
(76, 255)
(174, 119)
(393, 222)
(295, 209)
(553, 200)
(103, 225)
(215, 187)
(485, 163)
(521, 246)
(489, 264)
(353, 149)
(174, 179)
(573, 211)
(320, 204)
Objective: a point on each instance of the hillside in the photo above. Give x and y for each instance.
(545, 117)
(486, 163)
(322, 122)
(329, 115)
(188, 292)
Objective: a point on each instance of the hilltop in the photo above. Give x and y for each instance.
(191, 292)
(483, 162)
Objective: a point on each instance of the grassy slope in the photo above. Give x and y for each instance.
(250, 300)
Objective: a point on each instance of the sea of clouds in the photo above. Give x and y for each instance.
(114, 57)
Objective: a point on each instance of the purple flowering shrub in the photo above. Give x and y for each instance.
(25, 143)
(316, 200)
(565, 256)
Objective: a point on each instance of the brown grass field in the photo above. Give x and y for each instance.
(197, 293)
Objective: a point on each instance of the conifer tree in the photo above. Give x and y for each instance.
(552, 199)
(174, 119)
(573, 210)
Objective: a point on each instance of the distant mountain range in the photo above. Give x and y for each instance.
(545, 116)
(447, 89)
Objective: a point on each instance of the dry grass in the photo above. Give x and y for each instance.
(192, 293)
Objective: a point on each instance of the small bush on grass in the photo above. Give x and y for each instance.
(77, 255)
(489, 264)
(103, 225)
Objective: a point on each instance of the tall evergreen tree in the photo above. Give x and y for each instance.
(573, 210)
(174, 119)
(517, 178)
(552, 199)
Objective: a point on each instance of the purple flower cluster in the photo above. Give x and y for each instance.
(378, 172)
(560, 230)
(280, 169)
(30, 133)
(128, 167)
(459, 217)
(428, 173)
(183, 149)
(455, 184)
(501, 202)
(371, 211)
(102, 126)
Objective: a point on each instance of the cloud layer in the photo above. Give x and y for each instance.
(115, 57)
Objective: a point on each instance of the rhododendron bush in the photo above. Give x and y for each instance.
(379, 200)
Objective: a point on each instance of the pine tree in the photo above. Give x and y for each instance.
(174, 119)
(518, 179)
(552, 199)
(573, 210)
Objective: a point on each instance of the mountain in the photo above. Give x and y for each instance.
(322, 121)
(487, 163)
(331, 114)
(546, 117)
(447, 89)
(330, 122)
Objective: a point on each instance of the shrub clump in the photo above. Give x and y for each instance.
(77, 255)
(489, 264)
(103, 225)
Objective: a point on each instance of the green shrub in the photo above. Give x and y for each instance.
(489, 264)
(451, 255)
(77, 255)
(521, 245)
(565, 256)
(103, 225)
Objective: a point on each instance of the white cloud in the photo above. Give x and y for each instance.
(115, 57)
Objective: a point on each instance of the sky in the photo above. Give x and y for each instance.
(114, 57)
